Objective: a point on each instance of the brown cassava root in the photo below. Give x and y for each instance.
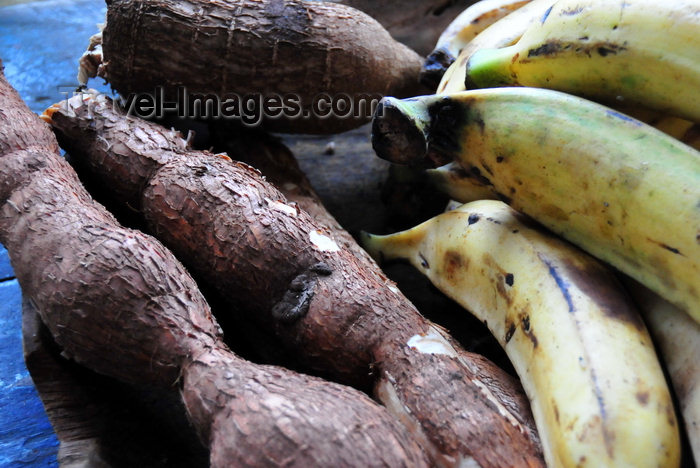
(118, 302)
(416, 23)
(294, 48)
(332, 309)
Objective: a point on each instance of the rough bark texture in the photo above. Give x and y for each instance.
(244, 47)
(279, 167)
(119, 302)
(272, 260)
(416, 23)
(101, 422)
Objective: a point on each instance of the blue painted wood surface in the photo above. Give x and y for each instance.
(40, 43)
(26, 437)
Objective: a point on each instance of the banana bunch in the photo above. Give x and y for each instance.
(643, 51)
(656, 66)
(622, 183)
(460, 32)
(629, 195)
(677, 337)
(503, 32)
(582, 352)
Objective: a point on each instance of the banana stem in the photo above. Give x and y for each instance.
(399, 130)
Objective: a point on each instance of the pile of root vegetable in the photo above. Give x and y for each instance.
(564, 132)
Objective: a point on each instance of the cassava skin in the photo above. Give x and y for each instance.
(252, 46)
(278, 165)
(271, 260)
(416, 23)
(119, 302)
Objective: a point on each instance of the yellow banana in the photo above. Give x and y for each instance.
(582, 352)
(503, 32)
(680, 129)
(643, 51)
(462, 186)
(458, 184)
(620, 189)
(678, 340)
(460, 32)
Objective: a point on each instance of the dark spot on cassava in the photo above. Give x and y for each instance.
(200, 171)
(473, 219)
(296, 300)
(583, 38)
(493, 220)
(290, 20)
(423, 262)
(510, 330)
(510, 279)
(556, 411)
(601, 286)
(499, 159)
(642, 398)
(487, 168)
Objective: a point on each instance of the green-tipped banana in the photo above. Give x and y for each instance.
(677, 337)
(642, 51)
(462, 30)
(620, 189)
(502, 33)
(582, 353)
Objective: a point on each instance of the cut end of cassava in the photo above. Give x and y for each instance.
(435, 66)
(399, 132)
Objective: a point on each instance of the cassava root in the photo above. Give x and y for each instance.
(118, 302)
(285, 48)
(333, 310)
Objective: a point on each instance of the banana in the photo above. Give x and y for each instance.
(460, 32)
(462, 186)
(459, 184)
(643, 51)
(582, 353)
(678, 340)
(681, 129)
(502, 33)
(620, 189)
